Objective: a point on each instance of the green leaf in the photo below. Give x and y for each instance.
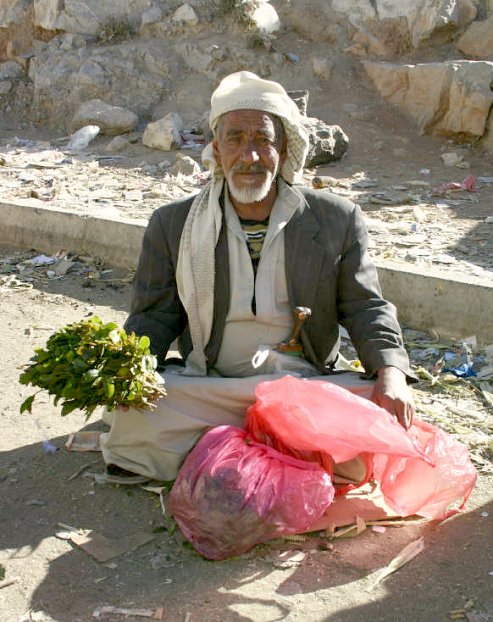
(27, 404)
(144, 342)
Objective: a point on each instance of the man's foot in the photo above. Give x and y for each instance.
(116, 475)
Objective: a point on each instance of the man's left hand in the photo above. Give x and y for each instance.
(392, 392)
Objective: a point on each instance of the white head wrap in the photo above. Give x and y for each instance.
(246, 91)
(195, 271)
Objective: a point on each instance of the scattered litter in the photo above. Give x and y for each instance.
(35, 502)
(425, 171)
(294, 58)
(484, 514)
(155, 614)
(408, 553)
(7, 582)
(42, 260)
(489, 220)
(81, 139)
(103, 549)
(485, 180)
(126, 480)
(86, 440)
(379, 528)
(11, 282)
(49, 447)
(289, 559)
(469, 184)
(80, 470)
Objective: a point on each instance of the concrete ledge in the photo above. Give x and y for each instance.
(424, 299)
(31, 224)
(451, 306)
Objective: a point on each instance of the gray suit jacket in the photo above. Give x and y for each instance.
(327, 269)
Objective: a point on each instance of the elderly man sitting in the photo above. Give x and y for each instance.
(223, 270)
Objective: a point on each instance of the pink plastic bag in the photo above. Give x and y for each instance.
(232, 493)
(411, 486)
(320, 421)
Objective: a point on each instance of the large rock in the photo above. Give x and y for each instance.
(13, 12)
(451, 99)
(164, 134)
(88, 17)
(130, 76)
(477, 41)
(112, 120)
(327, 142)
(424, 18)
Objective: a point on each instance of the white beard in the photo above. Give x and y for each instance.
(250, 195)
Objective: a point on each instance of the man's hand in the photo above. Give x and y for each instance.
(392, 392)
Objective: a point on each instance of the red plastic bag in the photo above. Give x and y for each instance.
(411, 486)
(232, 493)
(323, 422)
(421, 471)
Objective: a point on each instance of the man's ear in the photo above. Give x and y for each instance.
(215, 147)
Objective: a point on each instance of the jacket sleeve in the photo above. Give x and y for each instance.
(370, 320)
(156, 310)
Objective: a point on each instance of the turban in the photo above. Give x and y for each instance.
(246, 91)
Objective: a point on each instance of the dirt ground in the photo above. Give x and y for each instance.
(321, 580)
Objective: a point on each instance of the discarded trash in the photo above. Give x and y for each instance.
(379, 528)
(469, 184)
(49, 447)
(103, 549)
(266, 19)
(81, 139)
(42, 260)
(85, 440)
(155, 614)
(294, 58)
(425, 171)
(408, 553)
(289, 559)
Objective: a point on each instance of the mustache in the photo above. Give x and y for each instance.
(244, 168)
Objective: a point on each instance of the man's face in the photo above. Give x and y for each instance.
(250, 152)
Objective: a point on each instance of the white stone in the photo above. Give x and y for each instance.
(266, 19)
(151, 16)
(81, 138)
(185, 13)
(477, 41)
(185, 165)
(164, 134)
(116, 144)
(88, 17)
(451, 158)
(112, 120)
(322, 67)
(10, 69)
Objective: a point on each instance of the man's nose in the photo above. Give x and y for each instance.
(249, 154)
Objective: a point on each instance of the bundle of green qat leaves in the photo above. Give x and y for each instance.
(89, 364)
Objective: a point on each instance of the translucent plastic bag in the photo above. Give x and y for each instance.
(411, 486)
(232, 493)
(421, 471)
(322, 422)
